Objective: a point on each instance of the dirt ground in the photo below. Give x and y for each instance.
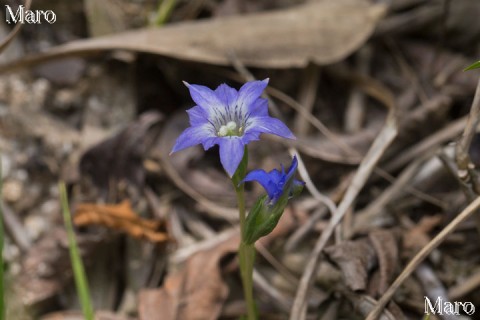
(385, 118)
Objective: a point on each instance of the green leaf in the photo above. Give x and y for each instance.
(255, 220)
(475, 65)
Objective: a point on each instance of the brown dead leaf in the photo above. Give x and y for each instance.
(356, 259)
(197, 292)
(119, 217)
(320, 31)
(385, 244)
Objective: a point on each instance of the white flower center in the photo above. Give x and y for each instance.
(223, 131)
(231, 125)
(229, 129)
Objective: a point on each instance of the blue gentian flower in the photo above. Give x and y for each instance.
(229, 118)
(275, 181)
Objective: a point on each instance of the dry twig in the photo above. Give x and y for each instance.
(461, 152)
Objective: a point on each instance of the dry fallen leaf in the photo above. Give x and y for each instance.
(119, 217)
(197, 292)
(320, 31)
(356, 259)
(386, 248)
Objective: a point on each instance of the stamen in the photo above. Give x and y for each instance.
(223, 131)
(231, 125)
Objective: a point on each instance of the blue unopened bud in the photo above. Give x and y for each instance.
(267, 211)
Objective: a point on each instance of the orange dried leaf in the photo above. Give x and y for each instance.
(120, 217)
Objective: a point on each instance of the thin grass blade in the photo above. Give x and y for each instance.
(81, 281)
(475, 65)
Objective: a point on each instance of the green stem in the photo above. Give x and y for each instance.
(240, 191)
(246, 254)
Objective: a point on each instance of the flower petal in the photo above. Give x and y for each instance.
(264, 179)
(259, 108)
(250, 136)
(204, 97)
(276, 176)
(269, 125)
(197, 116)
(292, 169)
(275, 181)
(227, 95)
(250, 92)
(231, 153)
(192, 136)
(210, 142)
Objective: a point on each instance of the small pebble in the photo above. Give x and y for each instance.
(6, 165)
(50, 208)
(64, 99)
(35, 225)
(12, 190)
